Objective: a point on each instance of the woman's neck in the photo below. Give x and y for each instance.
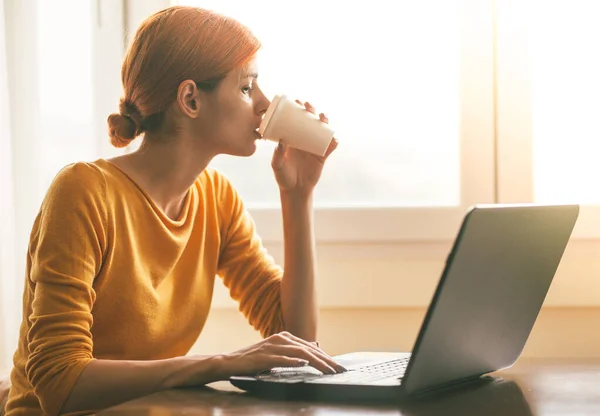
(165, 170)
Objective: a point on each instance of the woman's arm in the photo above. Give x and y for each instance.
(298, 293)
(104, 383)
(297, 173)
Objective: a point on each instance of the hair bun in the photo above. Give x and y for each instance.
(121, 129)
(124, 126)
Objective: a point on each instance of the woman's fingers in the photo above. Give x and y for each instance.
(285, 361)
(282, 350)
(298, 351)
(323, 117)
(278, 158)
(332, 146)
(310, 107)
(307, 105)
(314, 349)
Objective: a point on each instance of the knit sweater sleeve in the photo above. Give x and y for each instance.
(66, 252)
(247, 269)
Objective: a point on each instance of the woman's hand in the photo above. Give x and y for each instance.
(298, 171)
(279, 350)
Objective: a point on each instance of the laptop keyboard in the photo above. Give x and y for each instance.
(367, 374)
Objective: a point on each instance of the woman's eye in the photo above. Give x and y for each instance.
(247, 90)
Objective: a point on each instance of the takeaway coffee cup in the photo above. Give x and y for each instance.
(288, 121)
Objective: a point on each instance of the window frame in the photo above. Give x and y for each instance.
(109, 45)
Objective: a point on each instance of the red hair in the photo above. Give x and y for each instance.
(176, 44)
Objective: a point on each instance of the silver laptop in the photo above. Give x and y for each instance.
(487, 300)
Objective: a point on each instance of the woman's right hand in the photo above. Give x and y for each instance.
(279, 350)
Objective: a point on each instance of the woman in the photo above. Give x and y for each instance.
(124, 252)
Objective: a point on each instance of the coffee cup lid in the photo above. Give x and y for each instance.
(267, 118)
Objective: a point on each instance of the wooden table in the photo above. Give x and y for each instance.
(531, 387)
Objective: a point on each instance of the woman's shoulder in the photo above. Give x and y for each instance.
(215, 180)
(77, 192)
(84, 177)
(216, 183)
(79, 183)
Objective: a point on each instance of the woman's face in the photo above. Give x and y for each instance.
(229, 115)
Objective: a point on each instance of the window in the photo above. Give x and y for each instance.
(380, 88)
(391, 77)
(548, 108)
(60, 77)
(565, 74)
(65, 85)
(409, 87)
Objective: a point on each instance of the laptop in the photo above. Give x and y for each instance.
(493, 285)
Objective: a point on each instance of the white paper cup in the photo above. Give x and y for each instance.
(296, 127)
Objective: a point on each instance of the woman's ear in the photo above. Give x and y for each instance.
(188, 99)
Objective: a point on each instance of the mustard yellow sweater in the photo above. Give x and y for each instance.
(110, 276)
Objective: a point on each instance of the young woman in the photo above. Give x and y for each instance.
(124, 251)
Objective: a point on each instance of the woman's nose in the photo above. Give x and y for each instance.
(264, 104)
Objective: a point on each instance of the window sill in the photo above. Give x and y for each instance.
(369, 225)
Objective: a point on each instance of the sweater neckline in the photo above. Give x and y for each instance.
(183, 215)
